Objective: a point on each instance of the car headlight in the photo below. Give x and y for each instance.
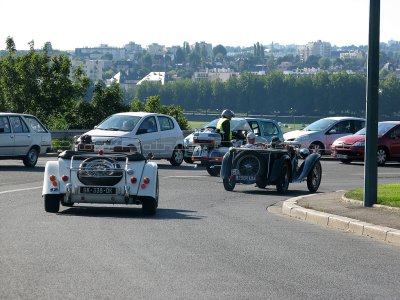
(359, 144)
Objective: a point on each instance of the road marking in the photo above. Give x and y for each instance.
(19, 190)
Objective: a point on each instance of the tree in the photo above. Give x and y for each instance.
(219, 49)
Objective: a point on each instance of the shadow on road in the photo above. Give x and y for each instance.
(272, 191)
(21, 168)
(129, 212)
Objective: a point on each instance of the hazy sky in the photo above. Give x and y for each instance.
(79, 23)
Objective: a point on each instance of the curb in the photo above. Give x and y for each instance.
(389, 235)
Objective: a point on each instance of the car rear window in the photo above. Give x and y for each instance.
(35, 125)
(165, 123)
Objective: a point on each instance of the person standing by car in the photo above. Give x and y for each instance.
(224, 127)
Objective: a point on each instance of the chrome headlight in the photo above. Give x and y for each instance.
(116, 141)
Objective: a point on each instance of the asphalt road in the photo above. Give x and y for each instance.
(204, 243)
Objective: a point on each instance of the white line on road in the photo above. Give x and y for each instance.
(19, 190)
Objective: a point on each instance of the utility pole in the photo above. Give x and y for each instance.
(371, 138)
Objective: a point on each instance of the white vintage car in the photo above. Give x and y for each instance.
(105, 176)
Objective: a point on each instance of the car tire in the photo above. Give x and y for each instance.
(346, 161)
(261, 183)
(229, 183)
(149, 204)
(51, 203)
(110, 178)
(31, 158)
(250, 163)
(381, 156)
(177, 157)
(317, 147)
(282, 184)
(215, 171)
(314, 177)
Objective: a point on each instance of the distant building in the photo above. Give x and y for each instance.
(214, 74)
(100, 52)
(154, 77)
(318, 48)
(93, 68)
(352, 55)
(156, 49)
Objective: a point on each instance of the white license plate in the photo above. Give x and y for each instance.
(245, 178)
(97, 190)
(341, 156)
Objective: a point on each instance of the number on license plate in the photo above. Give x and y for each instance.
(342, 156)
(245, 178)
(97, 190)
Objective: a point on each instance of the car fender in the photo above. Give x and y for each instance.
(226, 167)
(150, 171)
(51, 168)
(306, 166)
(276, 170)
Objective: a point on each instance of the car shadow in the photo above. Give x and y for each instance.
(272, 191)
(129, 212)
(22, 168)
(181, 167)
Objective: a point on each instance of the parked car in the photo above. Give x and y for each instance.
(352, 147)
(126, 178)
(23, 136)
(264, 129)
(319, 135)
(160, 135)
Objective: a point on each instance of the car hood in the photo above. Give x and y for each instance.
(117, 133)
(351, 139)
(296, 133)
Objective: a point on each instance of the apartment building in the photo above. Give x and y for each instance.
(318, 48)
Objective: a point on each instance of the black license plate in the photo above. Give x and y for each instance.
(97, 190)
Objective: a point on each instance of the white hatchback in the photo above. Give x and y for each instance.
(23, 136)
(160, 135)
(320, 135)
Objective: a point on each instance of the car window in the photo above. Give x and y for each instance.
(165, 123)
(320, 125)
(149, 125)
(358, 125)
(254, 126)
(4, 125)
(34, 124)
(342, 127)
(18, 125)
(119, 122)
(269, 128)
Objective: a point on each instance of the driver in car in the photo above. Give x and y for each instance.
(250, 141)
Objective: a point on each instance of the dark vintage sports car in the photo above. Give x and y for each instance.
(277, 165)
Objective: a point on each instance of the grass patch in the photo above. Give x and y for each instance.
(197, 124)
(388, 194)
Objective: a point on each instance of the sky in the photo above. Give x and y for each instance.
(88, 23)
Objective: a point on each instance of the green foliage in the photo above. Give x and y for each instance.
(387, 194)
(152, 104)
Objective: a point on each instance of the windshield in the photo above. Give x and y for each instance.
(236, 124)
(119, 123)
(320, 125)
(382, 129)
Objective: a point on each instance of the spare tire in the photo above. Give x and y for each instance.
(250, 163)
(99, 171)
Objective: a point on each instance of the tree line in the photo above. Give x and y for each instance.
(322, 94)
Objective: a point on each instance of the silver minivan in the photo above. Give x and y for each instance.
(23, 136)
